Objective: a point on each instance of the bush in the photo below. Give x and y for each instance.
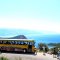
(3, 58)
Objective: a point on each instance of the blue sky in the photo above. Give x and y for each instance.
(35, 15)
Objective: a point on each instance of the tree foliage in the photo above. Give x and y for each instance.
(41, 46)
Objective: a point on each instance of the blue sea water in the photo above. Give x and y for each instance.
(46, 39)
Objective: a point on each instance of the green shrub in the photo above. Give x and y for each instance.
(3, 58)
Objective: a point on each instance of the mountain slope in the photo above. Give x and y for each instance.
(18, 37)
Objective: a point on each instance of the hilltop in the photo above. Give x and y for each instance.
(16, 37)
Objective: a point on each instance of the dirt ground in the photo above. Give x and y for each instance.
(39, 56)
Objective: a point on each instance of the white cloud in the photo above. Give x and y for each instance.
(31, 24)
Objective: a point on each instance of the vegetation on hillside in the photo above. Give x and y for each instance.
(54, 47)
(43, 47)
(54, 44)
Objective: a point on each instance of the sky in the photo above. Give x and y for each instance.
(36, 15)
